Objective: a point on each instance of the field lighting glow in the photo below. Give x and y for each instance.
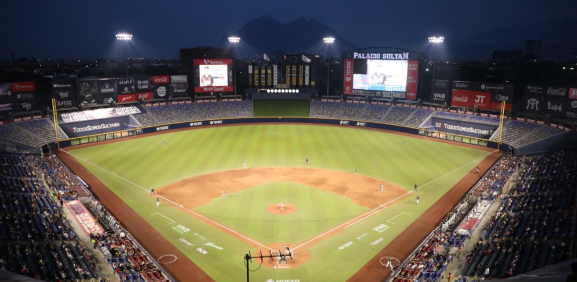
(124, 36)
(234, 39)
(434, 39)
(329, 40)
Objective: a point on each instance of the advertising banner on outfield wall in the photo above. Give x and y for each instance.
(126, 85)
(107, 91)
(481, 100)
(556, 105)
(126, 98)
(91, 127)
(63, 90)
(28, 86)
(533, 103)
(62, 104)
(412, 79)
(348, 80)
(5, 93)
(24, 106)
(461, 98)
(557, 91)
(497, 88)
(4, 108)
(98, 114)
(440, 91)
(142, 84)
(497, 106)
(179, 90)
(23, 97)
(161, 91)
(178, 79)
(572, 106)
(534, 90)
(466, 85)
(161, 79)
(86, 92)
(464, 128)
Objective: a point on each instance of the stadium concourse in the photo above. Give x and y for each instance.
(518, 218)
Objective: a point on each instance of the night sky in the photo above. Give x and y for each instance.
(86, 29)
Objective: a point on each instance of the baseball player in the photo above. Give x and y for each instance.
(162, 143)
(417, 199)
(288, 250)
(477, 172)
(403, 141)
(223, 195)
(281, 206)
(299, 132)
(389, 264)
(157, 202)
(152, 191)
(357, 170)
(282, 258)
(306, 161)
(381, 188)
(245, 166)
(416, 188)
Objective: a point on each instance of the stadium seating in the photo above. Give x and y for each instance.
(33, 133)
(157, 115)
(35, 237)
(533, 224)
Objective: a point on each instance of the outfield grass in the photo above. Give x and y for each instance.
(135, 166)
(284, 108)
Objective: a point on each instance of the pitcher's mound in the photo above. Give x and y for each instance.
(275, 209)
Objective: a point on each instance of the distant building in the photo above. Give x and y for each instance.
(533, 49)
(504, 56)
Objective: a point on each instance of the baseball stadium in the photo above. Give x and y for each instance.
(157, 178)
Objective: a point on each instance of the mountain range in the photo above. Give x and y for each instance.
(268, 35)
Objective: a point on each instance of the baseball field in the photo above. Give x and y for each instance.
(336, 222)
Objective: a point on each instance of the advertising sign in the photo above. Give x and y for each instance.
(29, 86)
(348, 81)
(412, 79)
(179, 90)
(5, 93)
(464, 128)
(440, 91)
(461, 98)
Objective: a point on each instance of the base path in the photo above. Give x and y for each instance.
(363, 190)
(406, 242)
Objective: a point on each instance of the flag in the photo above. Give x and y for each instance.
(305, 59)
(265, 57)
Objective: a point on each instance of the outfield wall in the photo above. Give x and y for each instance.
(256, 120)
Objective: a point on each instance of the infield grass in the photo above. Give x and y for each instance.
(131, 168)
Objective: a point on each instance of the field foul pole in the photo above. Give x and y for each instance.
(55, 117)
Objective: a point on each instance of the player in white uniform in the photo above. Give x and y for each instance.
(381, 188)
(281, 206)
(157, 202)
(417, 200)
(389, 264)
(357, 170)
(223, 195)
(245, 166)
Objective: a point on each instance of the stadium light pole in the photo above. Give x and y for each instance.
(328, 40)
(435, 40)
(234, 40)
(124, 37)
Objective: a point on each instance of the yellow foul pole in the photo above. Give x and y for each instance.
(55, 117)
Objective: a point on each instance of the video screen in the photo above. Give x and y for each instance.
(213, 75)
(381, 75)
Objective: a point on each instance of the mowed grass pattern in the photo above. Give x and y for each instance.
(135, 166)
(246, 211)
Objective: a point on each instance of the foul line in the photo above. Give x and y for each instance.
(164, 217)
(179, 205)
(389, 221)
(383, 206)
